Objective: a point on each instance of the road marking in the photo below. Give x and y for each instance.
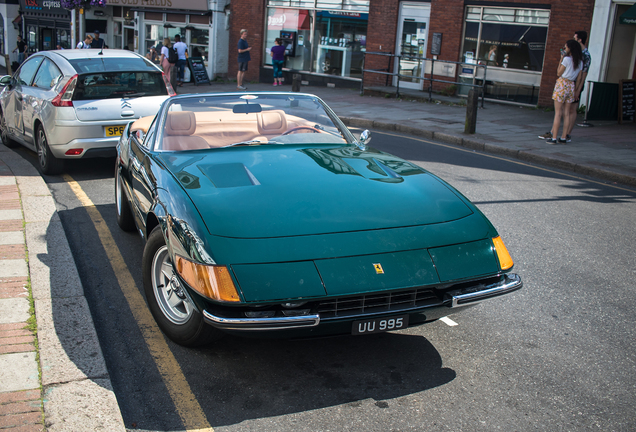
(479, 152)
(187, 406)
(449, 322)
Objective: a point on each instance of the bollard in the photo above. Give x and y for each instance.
(296, 82)
(471, 112)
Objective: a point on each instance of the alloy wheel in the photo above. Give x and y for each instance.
(168, 291)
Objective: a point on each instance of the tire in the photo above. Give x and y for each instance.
(125, 218)
(172, 310)
(4, 134)
(49, 164)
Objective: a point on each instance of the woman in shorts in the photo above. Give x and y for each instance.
(569, 67)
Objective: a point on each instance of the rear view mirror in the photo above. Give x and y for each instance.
(247, 108)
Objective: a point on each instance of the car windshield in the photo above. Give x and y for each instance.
(210, 122)
(107, 85)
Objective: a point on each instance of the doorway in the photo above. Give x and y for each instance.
(411, 43)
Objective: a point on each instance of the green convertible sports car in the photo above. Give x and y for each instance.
(264, 215)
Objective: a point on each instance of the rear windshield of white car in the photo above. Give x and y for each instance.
(112, 64)
(108, 85)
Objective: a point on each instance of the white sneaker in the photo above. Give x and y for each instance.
(241, 87)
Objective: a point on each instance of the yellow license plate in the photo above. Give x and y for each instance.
(114, 130)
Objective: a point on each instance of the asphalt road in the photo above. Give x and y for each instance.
(558, 355)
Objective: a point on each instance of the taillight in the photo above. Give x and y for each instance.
(166, 81)
(65, 97)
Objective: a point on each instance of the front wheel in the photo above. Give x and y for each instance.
(167, 300)
(4, 133)
(50, 164)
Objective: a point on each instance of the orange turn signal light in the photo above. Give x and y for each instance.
(214, 282)
(505, 260)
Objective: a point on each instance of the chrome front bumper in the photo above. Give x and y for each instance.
(464, 297)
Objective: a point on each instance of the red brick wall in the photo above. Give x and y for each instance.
(250, 15)
(381, 34)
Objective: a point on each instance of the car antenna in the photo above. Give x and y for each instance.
(101, 52)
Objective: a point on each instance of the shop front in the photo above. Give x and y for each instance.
(46, 25)
(325, 39)
(139, 27)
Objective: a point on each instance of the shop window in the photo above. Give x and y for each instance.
(199, 43)
(117, 12)
(295, 26)
(512, 44)
(117, 36)
(341, 39)
(63, 38)
(154, 37)
(32, 38)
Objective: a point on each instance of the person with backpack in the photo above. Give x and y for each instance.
(86, 43)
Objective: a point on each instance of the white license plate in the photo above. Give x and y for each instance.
(111, 131)
(378, 325)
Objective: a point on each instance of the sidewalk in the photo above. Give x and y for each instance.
(53, 374)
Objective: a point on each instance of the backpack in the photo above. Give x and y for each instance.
(172, 55)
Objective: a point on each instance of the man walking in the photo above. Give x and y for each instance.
(243, 58)
(21, 49)
(181, 49)
(97, 42)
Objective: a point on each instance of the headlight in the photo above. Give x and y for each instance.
(211, 281)
(505, 260)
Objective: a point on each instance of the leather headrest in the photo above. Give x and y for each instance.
(271, 122)
(181, 123)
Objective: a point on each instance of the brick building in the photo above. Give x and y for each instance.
(328, 40)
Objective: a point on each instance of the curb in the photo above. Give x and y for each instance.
(522, 155)
(76, 392)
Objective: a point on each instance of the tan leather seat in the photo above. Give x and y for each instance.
(271, 123)
(180, 127)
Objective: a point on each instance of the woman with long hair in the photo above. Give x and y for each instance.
(564, 90)
(165, 64)
(278, 59)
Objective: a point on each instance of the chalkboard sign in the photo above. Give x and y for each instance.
(436, 47)
(197, 67)
(626, 101)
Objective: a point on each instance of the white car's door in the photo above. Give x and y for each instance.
(23, 78)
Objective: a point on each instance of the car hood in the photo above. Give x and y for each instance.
(282, 191)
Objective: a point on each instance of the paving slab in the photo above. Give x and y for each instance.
(88, 405)
(13, 268)
(14, 310)
(18, 371)
(12, 238)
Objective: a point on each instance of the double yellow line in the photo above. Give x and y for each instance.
(187, 406)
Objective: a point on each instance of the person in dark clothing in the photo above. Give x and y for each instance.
(243, 58)
(278, 58)
(21, 49)
(97, 41)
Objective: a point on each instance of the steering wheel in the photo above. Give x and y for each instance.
(310, 128)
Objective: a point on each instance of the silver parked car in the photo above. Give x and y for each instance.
(71, 104)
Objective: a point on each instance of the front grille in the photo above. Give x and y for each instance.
(377, 303)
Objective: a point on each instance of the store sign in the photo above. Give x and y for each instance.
(52, 6)
(289, 19)
(200, 5)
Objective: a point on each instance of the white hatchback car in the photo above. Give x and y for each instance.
(71, 104)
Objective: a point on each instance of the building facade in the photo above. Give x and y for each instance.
(518, 41)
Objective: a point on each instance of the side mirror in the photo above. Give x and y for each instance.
(5, 80)
(365, 137)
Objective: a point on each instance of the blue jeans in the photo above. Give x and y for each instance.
(181, 64)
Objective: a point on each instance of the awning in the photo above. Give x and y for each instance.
(629, 17)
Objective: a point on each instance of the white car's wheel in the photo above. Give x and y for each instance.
(50, 164)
